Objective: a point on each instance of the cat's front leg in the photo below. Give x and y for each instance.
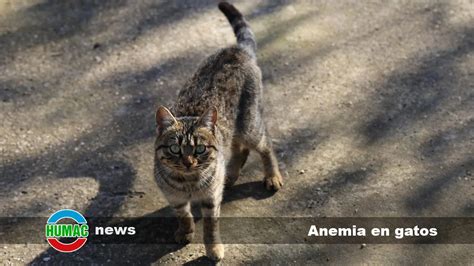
(185, 232)
(212, 241)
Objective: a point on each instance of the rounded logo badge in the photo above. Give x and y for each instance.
(56, 228)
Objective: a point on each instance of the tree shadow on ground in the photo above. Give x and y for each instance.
(408, 96)
(90, 30)
(444, 142)
(413, 95)
(56, 20)
(430, 193)
(51, 21)
(96, 155)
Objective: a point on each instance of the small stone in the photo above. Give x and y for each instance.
(302, 171)
(363, 246)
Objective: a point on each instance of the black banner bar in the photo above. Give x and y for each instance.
(259, 230)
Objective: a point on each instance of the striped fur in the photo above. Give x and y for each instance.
(242, 30)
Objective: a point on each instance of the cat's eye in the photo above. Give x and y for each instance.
(175, 149)
(200, 149)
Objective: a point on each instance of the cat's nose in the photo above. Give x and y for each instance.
(188, 161)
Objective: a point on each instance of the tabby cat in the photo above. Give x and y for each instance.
(204, 140)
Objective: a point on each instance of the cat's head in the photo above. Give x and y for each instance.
(186, 144)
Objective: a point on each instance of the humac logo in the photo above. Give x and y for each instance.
(56, 228)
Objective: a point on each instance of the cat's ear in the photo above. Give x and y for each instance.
(209, 118)
(164, 119)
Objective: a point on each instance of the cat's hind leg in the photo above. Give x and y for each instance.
(273, 180)
(185, 232)
(239, 154)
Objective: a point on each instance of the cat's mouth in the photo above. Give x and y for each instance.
(188, 170)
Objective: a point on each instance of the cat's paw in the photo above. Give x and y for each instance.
(215, 251)
(182, 237)
(273, 183)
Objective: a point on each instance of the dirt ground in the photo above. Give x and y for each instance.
(369, 103)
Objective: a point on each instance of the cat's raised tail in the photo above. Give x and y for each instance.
(245, 36)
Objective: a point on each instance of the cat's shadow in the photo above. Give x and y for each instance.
(163, 229)
(254, 189)
(203, 260)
